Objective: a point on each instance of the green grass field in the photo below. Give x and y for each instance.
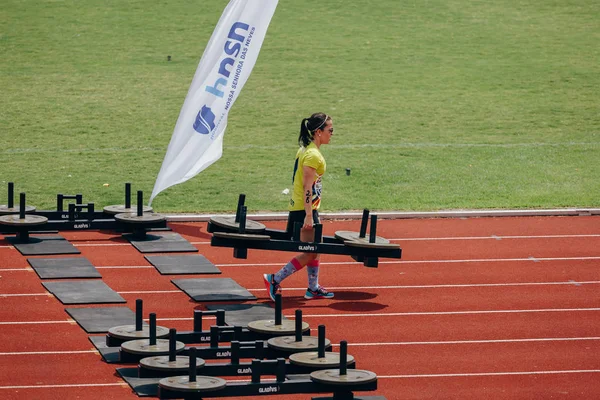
(449, 104)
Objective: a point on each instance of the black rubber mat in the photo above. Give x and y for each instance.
(143, 387)
(44, 245)
(192, 264)
(101, 319)
(83, 292)
(109, 354)
(60, 268)
(242, 314)
(161, 243)
(213, 289)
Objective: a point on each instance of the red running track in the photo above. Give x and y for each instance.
(478, 308)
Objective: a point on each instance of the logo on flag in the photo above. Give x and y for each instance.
(205, 121)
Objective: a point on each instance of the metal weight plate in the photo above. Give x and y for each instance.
(268, 326)
(312, 359)
(241, 236)
(29, 220)
(352, 377)
(4, 209)
(143, 347)
(162, 363)
(133, 218)
(289, 343)
(120, 208)
(355, 236)
(229, 223)
(183, 384)
(367, 245)
(128, 332)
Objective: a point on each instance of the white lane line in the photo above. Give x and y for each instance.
(481, 341)
(124, 384)
(498, 237)
(362, 315)
(476, 260)
(466, 285)
(67, 385)
(467, 312)
(36, 322)
(442, 342)
(537, 259)
(446, 286)
(40, 353)
(151, 292)
(468, 374)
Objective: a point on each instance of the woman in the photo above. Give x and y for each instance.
(309, 168)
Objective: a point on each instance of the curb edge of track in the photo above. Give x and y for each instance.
(403, 214)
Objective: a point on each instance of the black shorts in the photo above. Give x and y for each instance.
(298, 216)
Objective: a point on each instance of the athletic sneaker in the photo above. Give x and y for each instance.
(320, 293)
(271, 286)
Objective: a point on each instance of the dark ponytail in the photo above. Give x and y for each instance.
(309, 125)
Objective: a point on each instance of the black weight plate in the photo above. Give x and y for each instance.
(355, 236)
(128, 332)
(133, 218)
(268, 326)
(312, 359)
(183, 384)
(289, 343)
(29, 220)
(162, 363)
(143, 347)
(352, 377)
(229, 222)
(120, 208)
(4, 209)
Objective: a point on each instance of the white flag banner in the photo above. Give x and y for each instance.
(224, 68)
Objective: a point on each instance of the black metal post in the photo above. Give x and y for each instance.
(11, 194)
(197, 320)
(22, 204)
(321, 342)
(221, 317)
(152, 329)
(259, 349)
(140, 203)
(298, 325)
(138, 314)
(192, 370)
(235, 352)
(373, 230)
(128, 195)
(238, 211)
(280, 370)
(172, 344)
(256, 371)
(214, 336)
(343, 357)
(278, 311)
(243, 220)
(363, 224)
